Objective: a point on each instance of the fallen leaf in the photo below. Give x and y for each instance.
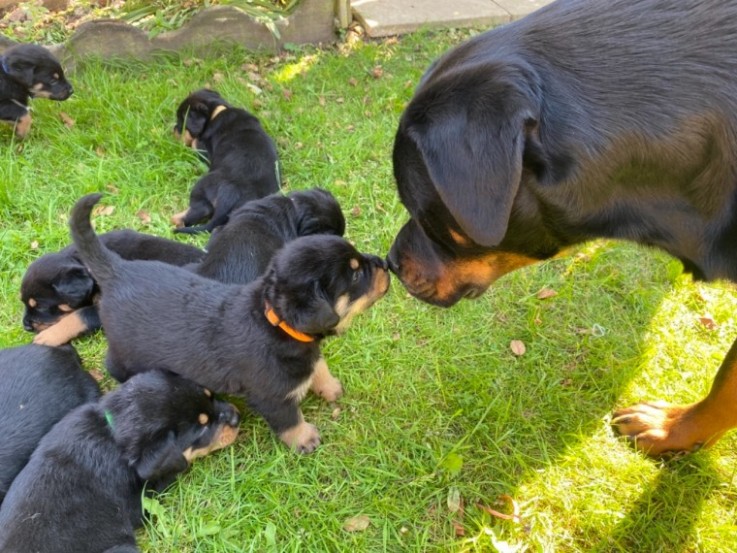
(34, 245)
(100, 151)
(353, 81)
(378, 72)
(287, 94)
(546, 293)
(144, 217)
(708, 322)
(68, 121)
(517, 347)
(218, 77)
(504, 498)
(335, 414)
(358, 523)
(110, 187)
(356, 211)
(454, 500)
(103, 210)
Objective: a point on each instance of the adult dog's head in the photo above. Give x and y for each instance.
(318, 283)
(465, 146)
(37, 70)
(195, 113)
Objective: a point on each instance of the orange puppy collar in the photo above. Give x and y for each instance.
(274, 319)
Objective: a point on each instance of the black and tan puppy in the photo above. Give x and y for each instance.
(81, 489)
(585, 119)
(38, 386)
(28, 71)
(242, 157)
(239, 251)
(260, 341)
(58, 291)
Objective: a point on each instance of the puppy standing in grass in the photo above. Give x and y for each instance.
(26, 71)
(239, 251)
(81, 490)
(260, 341)
(242, 157)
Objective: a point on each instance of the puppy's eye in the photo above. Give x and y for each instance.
(356, 276)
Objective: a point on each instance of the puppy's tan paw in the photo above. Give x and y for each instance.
(325, 384)
(329, 388)
(178, 219)
(51, 337)
(23, 126)
(303, 438)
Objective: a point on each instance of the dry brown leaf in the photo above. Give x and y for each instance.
(335, 414)
(378, 72)
(357, 523)
(68, 121)
(110, 187)
(546, 293)
(517, 347)
(353, 81)
(100, 151)
(356, 211)
(103, 210)
(287, 94)
(708, 322)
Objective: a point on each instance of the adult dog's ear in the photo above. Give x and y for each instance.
(465, 132)
(74, 284)
(160, 462)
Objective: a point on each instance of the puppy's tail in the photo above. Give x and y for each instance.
(98, 259)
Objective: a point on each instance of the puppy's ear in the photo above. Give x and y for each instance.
(22, 71)
(465, 133)
(74, 284)
(160, 462)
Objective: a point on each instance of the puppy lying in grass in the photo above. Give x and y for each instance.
(260, 341)
(59, 293)
(81, 489)
(239, 251)
(242, 157)
(38, 386)
(28, 71)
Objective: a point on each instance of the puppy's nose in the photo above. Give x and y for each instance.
(393, 265)
(378, 261)
(27, 325)
(230, 416)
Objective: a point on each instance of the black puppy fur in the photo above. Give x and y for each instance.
(156, 315)
(58, 291)
(239, 251)
(243, 159)
(81, 489)
(38, 386)
(28, 71)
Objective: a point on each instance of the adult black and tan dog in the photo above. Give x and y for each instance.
(28, 71)
(39, 385)
(260, 341)
(586, 119)
(239, 251)
(59, 293)
(81, 489)
(243, 159)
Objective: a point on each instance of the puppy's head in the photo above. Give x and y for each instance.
(466, 146)
(318, 212)
(53, 286)
(161, 422)
(37, 70)
(195, 113)
(317, 283)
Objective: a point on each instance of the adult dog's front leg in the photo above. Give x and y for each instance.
(661, 430)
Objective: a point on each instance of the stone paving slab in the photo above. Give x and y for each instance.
(392, 17)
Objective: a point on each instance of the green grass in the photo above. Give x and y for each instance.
(436, 406)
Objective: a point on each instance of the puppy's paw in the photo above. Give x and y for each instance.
(178, 219)
(303, 438)
(328, 387)
(50, 337)
(23, 126)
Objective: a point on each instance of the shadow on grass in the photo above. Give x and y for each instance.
(664, 517)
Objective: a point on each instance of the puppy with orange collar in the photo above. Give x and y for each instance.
(242, 157)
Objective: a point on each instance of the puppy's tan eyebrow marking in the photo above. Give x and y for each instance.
(32, 302)
(458, 238)
(355, 264)
(208, 393)
(65, 308)
(203, 418)
(55, 75)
